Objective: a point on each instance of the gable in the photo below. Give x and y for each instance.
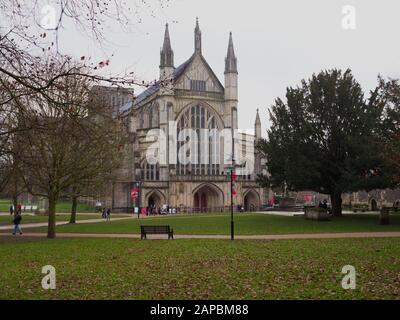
(197, 70)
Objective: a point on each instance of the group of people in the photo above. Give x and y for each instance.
(106, 214)
(17, 218)
(164, 210)
(324, 205)
(153, 210)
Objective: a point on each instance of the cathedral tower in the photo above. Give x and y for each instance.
(231, 83)
(257, 127)
(197, 38)
(166, 57)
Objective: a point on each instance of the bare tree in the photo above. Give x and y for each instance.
(100, 156)
(29, 36)
(34, 88)
(68, 148)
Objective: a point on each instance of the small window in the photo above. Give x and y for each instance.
(197, 85)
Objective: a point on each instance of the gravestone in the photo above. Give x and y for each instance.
(384, 217)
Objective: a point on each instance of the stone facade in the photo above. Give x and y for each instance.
(191, 96)
(373, 200)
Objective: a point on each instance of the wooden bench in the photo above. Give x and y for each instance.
(145, 230)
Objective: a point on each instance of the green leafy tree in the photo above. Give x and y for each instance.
(391, 92)
(327, 137)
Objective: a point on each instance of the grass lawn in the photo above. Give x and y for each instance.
(4, 205)
(62, 207)
(65, 207)
(245, 224)
(6, 220)
(199, 269)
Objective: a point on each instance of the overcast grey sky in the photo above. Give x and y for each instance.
(277, 43)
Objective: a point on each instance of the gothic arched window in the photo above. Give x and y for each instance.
(141, 120)
(155, 116)
(206, 156)
(151, 117)
(150, 172)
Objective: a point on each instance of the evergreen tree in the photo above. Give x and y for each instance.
(327, 137)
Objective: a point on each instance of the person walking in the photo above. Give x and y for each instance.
(17, 223)
(108, 214)
(11, 210)
(19, 209)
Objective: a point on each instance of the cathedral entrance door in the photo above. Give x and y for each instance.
(251, 201)
(203, 202)
(208, 198)
(152, 202)
(196, 201)
(374, 205)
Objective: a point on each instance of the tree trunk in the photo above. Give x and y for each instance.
(15, 203)
(15, 195)
(336, 199)
(51, 231)
(73, 209)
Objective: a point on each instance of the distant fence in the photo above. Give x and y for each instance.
(28, 208)
(190, 210)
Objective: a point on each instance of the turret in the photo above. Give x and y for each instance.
(231, 73)
(197, 38)
(257, 127)
(166, 57)
(231, 86)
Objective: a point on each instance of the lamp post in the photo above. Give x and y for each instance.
(232, 223)
(232, 170)
(138, 184)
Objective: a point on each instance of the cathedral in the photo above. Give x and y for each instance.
(189, 98)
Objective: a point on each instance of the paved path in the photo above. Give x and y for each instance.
(59, 223)
(224, 237)
(300, 213)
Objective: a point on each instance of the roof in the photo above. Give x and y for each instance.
(155, 87)
(179, 71)
(147, 93)
(126, 106)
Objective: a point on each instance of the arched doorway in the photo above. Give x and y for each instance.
(251, 201)
(155, 199)
(208, 198)
(373, 205)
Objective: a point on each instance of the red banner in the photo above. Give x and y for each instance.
(234, 193)
(134, 193)
(308, 198)
(234, 177)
